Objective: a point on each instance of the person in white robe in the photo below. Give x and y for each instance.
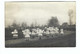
(62, 32)
(15, 33)
(56, 30)
(33, 33)
(39, 32)
(26, 33)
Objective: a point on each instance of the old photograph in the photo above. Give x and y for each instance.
(40, 24)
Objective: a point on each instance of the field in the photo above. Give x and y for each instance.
(66, 40)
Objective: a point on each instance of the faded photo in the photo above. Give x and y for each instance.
(40, 24)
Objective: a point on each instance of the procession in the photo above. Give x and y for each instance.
(37, 32)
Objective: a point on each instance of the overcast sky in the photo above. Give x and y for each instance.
(40, 12)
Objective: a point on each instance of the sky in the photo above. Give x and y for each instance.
(39, 12)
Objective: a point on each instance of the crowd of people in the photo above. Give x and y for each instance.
(47, 31)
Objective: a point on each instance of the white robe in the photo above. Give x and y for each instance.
(62, 32)
(15, 33)
(26, 33)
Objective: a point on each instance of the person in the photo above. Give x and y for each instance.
(39, 33)
(15, 33)
(62, 32)
(47, 33)
(56, 30)
(33, 34)
(26, 33)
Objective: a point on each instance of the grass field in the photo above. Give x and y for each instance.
(66, 40)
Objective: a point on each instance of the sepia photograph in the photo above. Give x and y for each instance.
(40, 24)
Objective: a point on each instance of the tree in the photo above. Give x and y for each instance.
(23, 25)
(70, 14)
(53, 22)
(15, 25)
(65, 25)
